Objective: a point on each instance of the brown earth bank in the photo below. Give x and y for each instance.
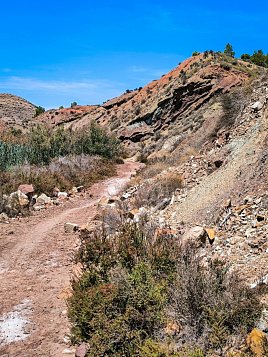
(36, 265)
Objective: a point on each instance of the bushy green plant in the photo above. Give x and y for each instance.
(124, 286)
(136, 280)
(44, 144)
(229, 50)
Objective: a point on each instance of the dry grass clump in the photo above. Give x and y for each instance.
(64, 173)
(153, 192)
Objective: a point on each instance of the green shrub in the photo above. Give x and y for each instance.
(229, 50)
(138, 279)
(43, 145)
(39, 110)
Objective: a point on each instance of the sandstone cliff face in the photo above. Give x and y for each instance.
(15, 112)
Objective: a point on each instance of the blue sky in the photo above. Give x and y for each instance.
(56, 52)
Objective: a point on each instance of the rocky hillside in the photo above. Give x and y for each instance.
(157, 118)
(202, 130)
(15, 112)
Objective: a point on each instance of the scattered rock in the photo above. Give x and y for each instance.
(43, 199)
(256, 106)
(71, 227)
(28, 190)
(81, 350)
(55, 191)
(211, 234)
(62, 195)
(196, 234)
(3, 218)
(73, 191)
(257, 342)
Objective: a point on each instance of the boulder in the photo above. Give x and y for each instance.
(18, 200)
(71, 227)
(3, 218)
(73, 191)
(256, 106)
(257, 342)
(81, 350)
(211, 234)
(28, 190)
(43, 199)
(196, 234)
(55, 191)
(62, 195)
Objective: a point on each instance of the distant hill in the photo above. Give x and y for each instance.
(15, 112)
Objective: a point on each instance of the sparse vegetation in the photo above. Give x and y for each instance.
(60, 158)
(229, 50)
(43, 145)
(141, 283)
(162, 189)
(39, 110)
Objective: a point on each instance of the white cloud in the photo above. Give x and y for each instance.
(147, 73)
(53, 93)
(33, 84)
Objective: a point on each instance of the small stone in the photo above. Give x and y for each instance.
(62, 195)
(3, 218)
(256, 106)
(55, 191)
(211, 234)
(26, 189)
(248, 199)
(257, 342)
(43, 199)
(68, 351)
(71, 227)
(81, 350)
(73, 191)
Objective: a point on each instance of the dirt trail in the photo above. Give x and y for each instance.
(35, 270)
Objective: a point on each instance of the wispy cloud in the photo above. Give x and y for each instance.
(52, 93)
(23, 83)
(146, 72)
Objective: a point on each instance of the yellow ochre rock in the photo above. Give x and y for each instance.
(211, 233)
(257, 343)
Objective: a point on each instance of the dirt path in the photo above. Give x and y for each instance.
(35, 270)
